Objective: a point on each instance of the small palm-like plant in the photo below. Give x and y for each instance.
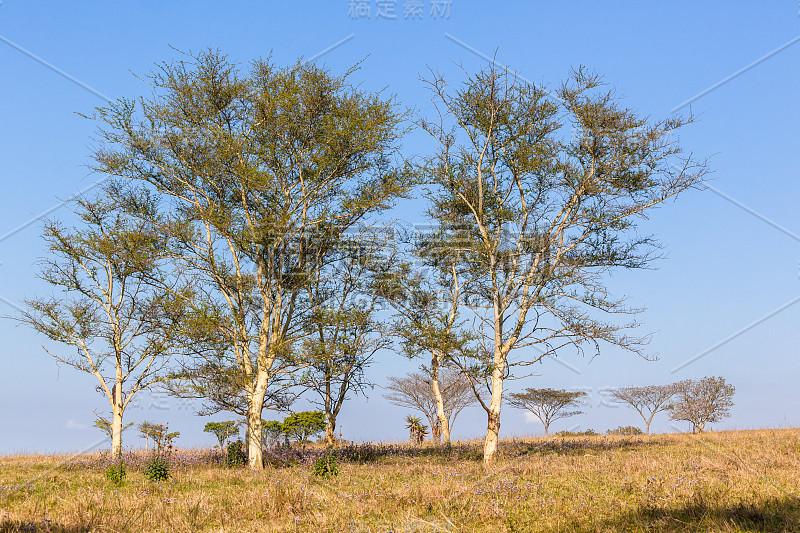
(416, 429)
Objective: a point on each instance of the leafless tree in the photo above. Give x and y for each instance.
(415, 391)
(547, 404)
(702, 402)
(647, 400)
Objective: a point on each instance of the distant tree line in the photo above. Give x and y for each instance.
(708, 400)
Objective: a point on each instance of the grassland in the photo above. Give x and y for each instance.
(726, 481)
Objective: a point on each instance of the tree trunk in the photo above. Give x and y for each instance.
(116, 422)
(330, 428)
(253, 432)
(116, 433)
(444, 424)
(493, 425)
(331, 410)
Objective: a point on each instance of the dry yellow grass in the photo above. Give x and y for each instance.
(727, 481)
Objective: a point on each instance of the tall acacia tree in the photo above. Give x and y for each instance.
(427, 294)
(118, 324)
(541, 193)
(262, 169)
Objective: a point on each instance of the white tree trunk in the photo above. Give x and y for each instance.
(493, 425)
(444, 424)
(116, 421)
(253, 431)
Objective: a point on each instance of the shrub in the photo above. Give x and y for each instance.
(326, 466)
(157, 468)
(236, 456)
(116, 473)
(587, 433)
(625, 430)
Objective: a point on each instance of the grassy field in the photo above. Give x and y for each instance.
(726, 481)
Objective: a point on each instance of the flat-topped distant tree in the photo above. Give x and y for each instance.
(647, 400)
(261, 169)
(223, 431)
(540, 193)
(548, 405)
(702, 402)
(116, 313)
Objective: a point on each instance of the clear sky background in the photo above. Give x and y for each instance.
(728, 291)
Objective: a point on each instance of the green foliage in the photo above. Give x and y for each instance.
(160, 435)
(304, 425)
(548, 405)
(222, 430)
(111, 308)
(116, 473)
(701, 402)
(625, 430)
(149, 430)
(326, 466)
(279, 163)
(157, 468)
(272, 431)
(235, 456)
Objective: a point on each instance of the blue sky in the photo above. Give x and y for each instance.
(732, 272)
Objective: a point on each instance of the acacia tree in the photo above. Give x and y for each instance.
(261, 171)
(118, 325)
(539, 215)
(223, 431)
(303, 425)
(344, 333)
(426, 294)
(702, 402)
(547, 404)
(647, 400)
(415, 391)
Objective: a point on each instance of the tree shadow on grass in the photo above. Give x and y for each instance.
(279, 456)
(767, 516)
(7, 526)
(574, 445)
